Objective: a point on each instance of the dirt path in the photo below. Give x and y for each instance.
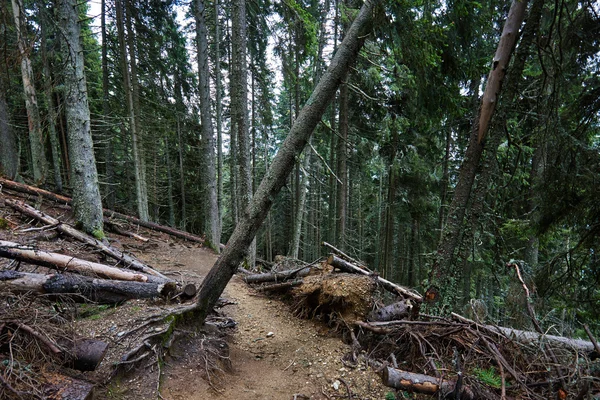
(274, 355)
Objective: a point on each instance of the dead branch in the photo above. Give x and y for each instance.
(66, 229)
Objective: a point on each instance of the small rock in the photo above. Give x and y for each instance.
(336, 385)
(121, 333)
(270, 334)
(157, 329)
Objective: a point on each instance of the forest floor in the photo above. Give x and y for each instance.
(271, 354)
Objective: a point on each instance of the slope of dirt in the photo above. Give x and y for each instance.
(272, 354)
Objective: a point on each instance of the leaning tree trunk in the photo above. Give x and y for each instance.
(283, 163)
(444, 276)
(87, 203)
(36, 140)
(239, 112)
(207, 167)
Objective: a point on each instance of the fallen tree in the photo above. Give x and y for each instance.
(20, 187)
(82, 288)
(277, 276)
(63, 262)
(66, 229)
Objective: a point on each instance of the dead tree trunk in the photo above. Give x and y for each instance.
(110, 251)
(81, 288)
(63, 262)
(283, 163)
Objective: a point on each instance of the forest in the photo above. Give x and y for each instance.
(463, 138)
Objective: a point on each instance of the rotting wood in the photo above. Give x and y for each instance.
(66, 229)
(81, 288)
(63, 262)
(419, 383)
(344, 265)
(20, 187)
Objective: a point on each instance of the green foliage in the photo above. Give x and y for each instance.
(390, 396)
(3, 223)
(488, 377)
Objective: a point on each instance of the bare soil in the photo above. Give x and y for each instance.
(268, 354)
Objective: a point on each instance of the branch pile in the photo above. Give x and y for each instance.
(450, 357)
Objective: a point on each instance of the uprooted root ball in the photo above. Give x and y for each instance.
(335, 298)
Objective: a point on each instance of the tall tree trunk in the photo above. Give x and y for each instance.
(36, 139)
(133, 94)
(218, 109)
(342, 169)
(169, 183)
(207, 166)
(300, 206)
(87, 204)
(108, 150)
(443, 275)
(282, 165)
(239, 112)
(9, 155)
(52, 115)
(181, 175)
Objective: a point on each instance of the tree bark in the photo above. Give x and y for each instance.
(108, 151)
(9, 155)
(82, 288)
(283, 163)
(239, 113)
(36, 140)
(218, 111)
(443, 275)
(51, 106)
(63, 262)
(87, 203)
(208, 171)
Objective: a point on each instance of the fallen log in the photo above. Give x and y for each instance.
(424, 384)
(61, 262)
(346, 256)
(280, 286)
(277, 276)
(66, 229)
(82, 288)
(19, 187)
(528, 337)
(346, 266)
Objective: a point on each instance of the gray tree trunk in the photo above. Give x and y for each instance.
(239, 113)
(218, 109)
(283, 163)
(301, 206)
(87, 204)
(207, 167)
(9, 155)
(52, 115)
(108, 150)
(36, 139)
